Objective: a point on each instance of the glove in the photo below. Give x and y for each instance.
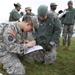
(60, 11)
(21, 13)
(49, 46)
(52, 43)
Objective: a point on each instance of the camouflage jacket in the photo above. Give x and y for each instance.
(69, 18)
(14, 15)
(30, 14)
(11, 39)
(49, 30)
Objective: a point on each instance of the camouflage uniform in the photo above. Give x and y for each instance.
(68, 21)
(30, 37)
(47, 35)
(30, 14)
(14, 15)
(11, 44)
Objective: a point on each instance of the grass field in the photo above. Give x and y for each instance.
(64, 65)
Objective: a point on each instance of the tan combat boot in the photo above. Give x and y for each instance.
(65, 47)
(69, 48)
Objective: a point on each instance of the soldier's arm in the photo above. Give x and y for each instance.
(12, 45)
(33, 14)
(16, 16)
(56, 31)
(24, 17)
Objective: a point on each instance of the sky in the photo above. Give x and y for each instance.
(7, 5)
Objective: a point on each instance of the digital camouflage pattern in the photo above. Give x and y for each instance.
(68, 21)
(11, 43)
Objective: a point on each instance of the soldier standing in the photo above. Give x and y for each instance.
(28, 12)
(12, 43)
(68, 21)
(14, 14)
(53, 7)
(47, 35)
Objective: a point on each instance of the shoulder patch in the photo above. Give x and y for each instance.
(12, 32)
(10, 38)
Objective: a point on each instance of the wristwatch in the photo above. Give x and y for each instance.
(52, 43)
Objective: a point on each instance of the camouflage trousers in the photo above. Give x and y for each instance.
(12, 65)
(67, 34)
(42, 56)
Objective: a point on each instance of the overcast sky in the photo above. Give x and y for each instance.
(7, 5)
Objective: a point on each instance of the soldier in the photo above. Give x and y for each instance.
(14, 14)
(68, 21)
(28, 11)
(47, 35)
(12, 43)
(53, 7)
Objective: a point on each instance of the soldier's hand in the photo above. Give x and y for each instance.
(26, 41)
(60, 11)
(31, 44)
(21, 13)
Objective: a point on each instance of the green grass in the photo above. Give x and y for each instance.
(64, 65)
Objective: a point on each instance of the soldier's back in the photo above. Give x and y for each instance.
(14, 15)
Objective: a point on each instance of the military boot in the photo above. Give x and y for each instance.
(64, 47)
(1, 65)
(69, 48)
